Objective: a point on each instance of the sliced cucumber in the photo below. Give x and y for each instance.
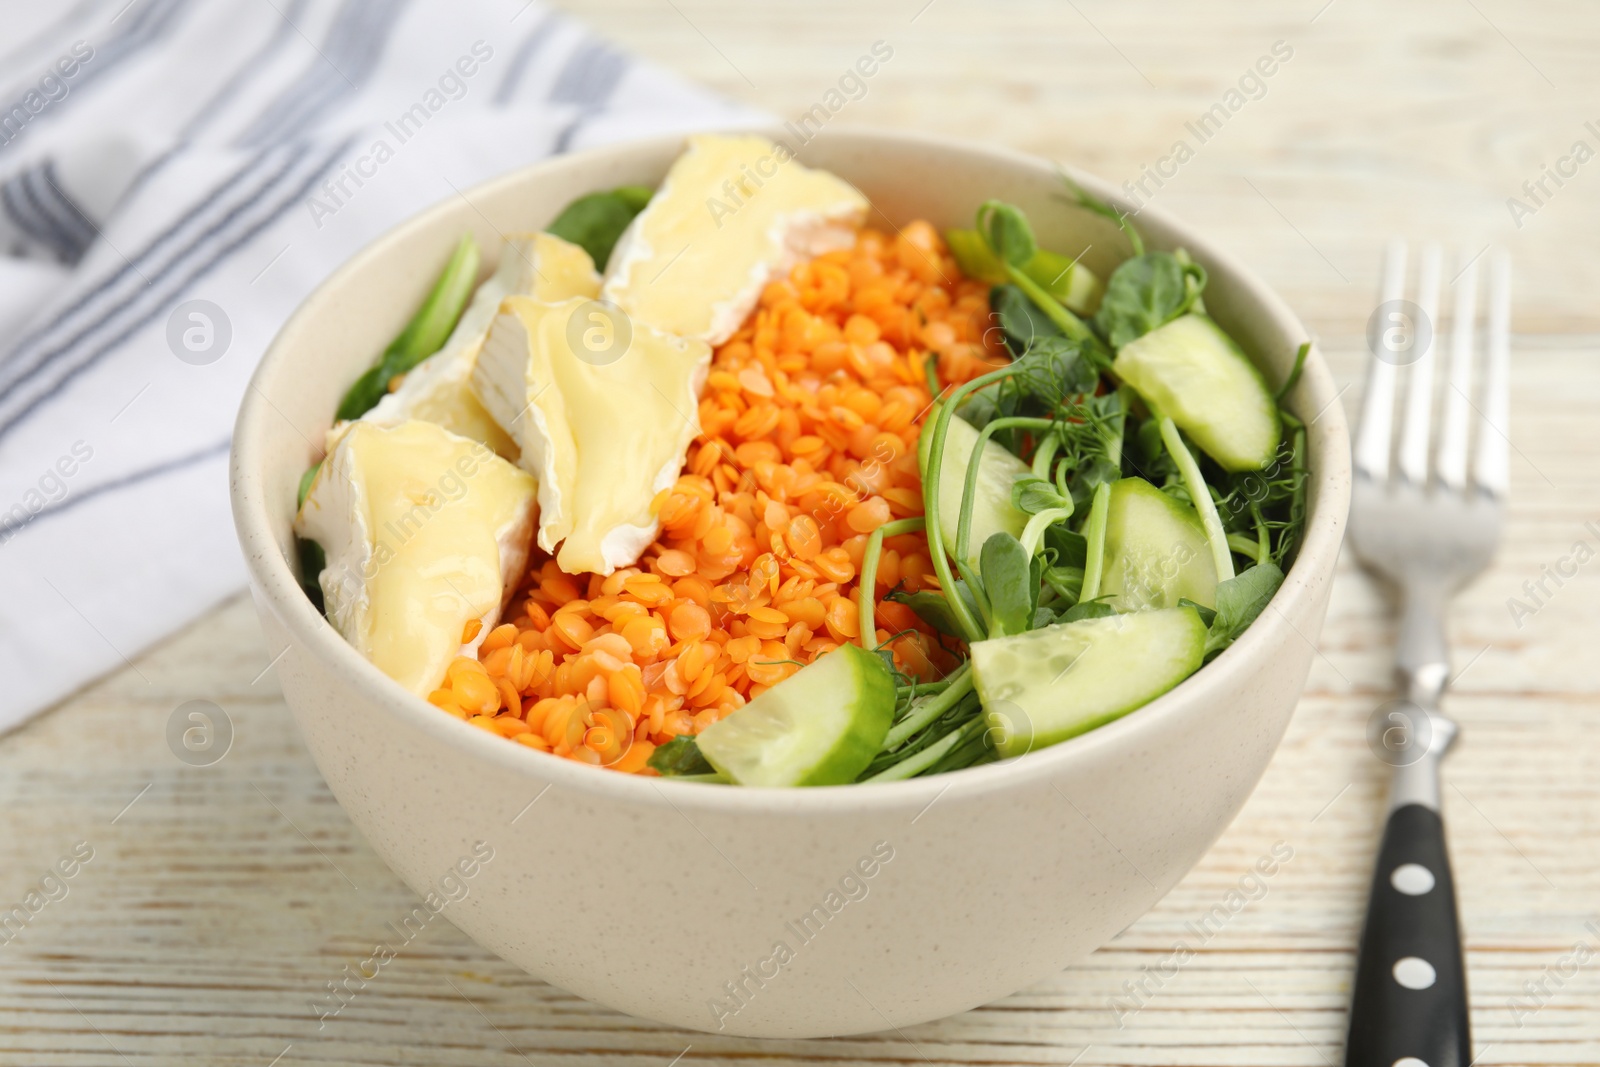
(1047, 685)
(1069, 281)
(820, 727)
(1075, 285)
(1156, 550)
(1193, 372)
(992, 510)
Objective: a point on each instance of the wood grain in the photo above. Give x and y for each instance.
(220, 900)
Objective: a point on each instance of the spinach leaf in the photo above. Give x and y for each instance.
(1008, 581)
(932, 608)
(1143, 293)
(424, 335)
(1240, 600)
(305, 483)
(1006, 231)
(312, 560)
(1071, 549)
(595, 222)
(1207, 615)
(981, 406)
(678, 757)
(1020, 319)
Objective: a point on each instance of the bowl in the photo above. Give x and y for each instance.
(776, 913)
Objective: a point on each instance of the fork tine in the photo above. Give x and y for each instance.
(1377, 410)
(1493, 444)
(1414, 435)
(1457, 402)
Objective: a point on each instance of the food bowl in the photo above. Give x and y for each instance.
(776, 913)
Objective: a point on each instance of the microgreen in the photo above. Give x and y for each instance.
(1240, 600)
(1146, 292)
(1006, 567)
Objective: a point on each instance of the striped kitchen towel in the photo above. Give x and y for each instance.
(160, 158)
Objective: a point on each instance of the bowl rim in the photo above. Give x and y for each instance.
(279, 590)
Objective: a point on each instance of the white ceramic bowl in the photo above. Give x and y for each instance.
(776, 913)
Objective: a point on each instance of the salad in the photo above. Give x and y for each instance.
(714, 481)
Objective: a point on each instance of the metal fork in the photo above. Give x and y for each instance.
(1429, 536)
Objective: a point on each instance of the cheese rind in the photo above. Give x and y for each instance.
(424, 530)
(603, 409)
(734, 213)
(438, 389)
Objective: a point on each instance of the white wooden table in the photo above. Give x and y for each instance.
(219, 900)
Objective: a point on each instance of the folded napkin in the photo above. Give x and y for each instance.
(175, 177)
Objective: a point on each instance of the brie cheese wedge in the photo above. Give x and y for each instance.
(423, 530)
(733, 213)
(602, 409)
(436, 390)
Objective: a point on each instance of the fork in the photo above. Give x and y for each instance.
(1428, 532)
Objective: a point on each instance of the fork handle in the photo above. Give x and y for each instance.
(1410, 1002)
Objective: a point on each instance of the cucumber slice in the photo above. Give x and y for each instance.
(1047, 685)
(992, 510)
(820, 727)
(1070, 282)
(1193, 372)
(1156, 550)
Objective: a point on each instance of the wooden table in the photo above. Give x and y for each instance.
(219, 900)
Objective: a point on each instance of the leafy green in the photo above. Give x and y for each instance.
(595, 222)
(1088, 609)
(1143, 293)
(1091, 433)
(1207, 615)
(1033, 495)
(1294, 372)
(932, 608)
(1006, 231)
(1053, 271)
(1054, 369)
(1066, 582)
(1020, 319)
(312, 560)
(1105, 211)
(1240, 600)
(1094, 532)
(1008, 580)
(305, 483)
(424, 335)
(679, 757)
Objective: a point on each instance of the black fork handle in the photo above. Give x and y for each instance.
(1410, 1003)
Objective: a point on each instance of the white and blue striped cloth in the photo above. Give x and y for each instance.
(157, 152)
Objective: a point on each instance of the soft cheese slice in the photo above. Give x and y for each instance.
(423, 530)
(603, 426)
(437, 390)
(734, 213)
